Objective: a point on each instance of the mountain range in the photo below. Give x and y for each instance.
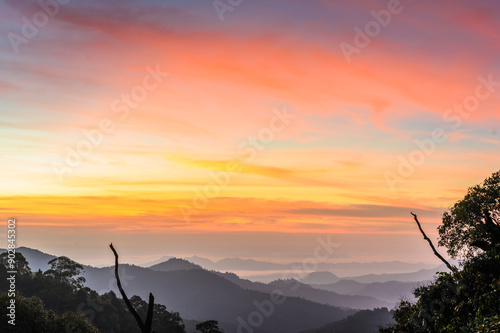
(341, 269)
(318, 299)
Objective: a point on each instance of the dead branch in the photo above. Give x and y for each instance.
(145, 328)
(451, 268)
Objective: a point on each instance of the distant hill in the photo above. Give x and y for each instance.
(380, 294)
(320, 278)
(346, 287)
(391, 291)
(366, 321)
(385, 267)
(36, 259)
(421, 275)
(246, 284)
(198, 294)
(201, 295)
(157, 261)
(236, 264)
(294, 288)
(339, 269)
(174, 264)
(203, 262)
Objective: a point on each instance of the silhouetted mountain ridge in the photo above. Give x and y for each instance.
(320, 278)
(294, 288)
(340, 269)
(390, 291)
(200, 294)
(174, 264)
(37, 259)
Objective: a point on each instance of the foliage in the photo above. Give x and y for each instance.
(63, 269)
(466, 300)
(209, 326)
(364, 321)
(31, 316)
(163, 321)
(20, 263)
(75, 306)
(473, 223)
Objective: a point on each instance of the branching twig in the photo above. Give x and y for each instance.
(452, 268)
(145, 328)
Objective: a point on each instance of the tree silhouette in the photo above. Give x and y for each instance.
(467, 299)
(209, 326)
(32, 316)
(19, 264)
(63, 269)
(473, 223)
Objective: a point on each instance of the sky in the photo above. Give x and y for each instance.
(243, 128)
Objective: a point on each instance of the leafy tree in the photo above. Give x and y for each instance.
(163, 321)
(75, 308)
(63, 269)
(32, 317)
(364, 321)
(473, 223)
(209, 326)
(465, 300)
(167, 322)
(72, 309)
(19, 263)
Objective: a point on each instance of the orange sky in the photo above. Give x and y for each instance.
(160, 120)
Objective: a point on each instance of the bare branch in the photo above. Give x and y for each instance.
(124, 296)
(452, 268)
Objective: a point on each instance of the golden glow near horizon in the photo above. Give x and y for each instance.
(167, 120)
